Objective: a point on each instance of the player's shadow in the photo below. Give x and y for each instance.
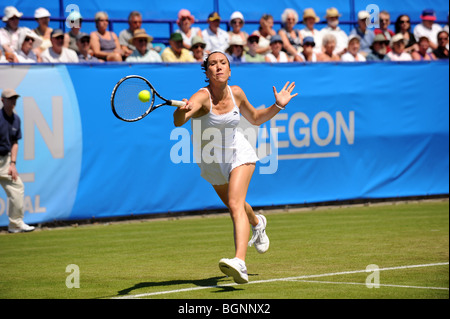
(213, 282)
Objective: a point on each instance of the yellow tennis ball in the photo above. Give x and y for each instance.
(144, 96)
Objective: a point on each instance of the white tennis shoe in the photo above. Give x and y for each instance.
(234, 268)
(259, 237)
(24, 228)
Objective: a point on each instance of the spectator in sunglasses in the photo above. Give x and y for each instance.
(83, 44)
(442, 50)
(57, 53)
(236, 24)
(403, 26)
(28, 41)
(198, 48)
(142, 53)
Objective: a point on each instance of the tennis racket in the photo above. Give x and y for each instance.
(126, 103)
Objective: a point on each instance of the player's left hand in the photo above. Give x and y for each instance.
(283, 97)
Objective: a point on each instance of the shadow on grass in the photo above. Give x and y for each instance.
(213, 282)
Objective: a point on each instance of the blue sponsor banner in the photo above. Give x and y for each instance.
(356, 130)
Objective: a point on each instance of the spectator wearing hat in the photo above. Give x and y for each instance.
(403, 26)
(9, 34)
(265, 33)
(442, 51)
(142, 53)
(328, 49)
(10, 134)
(277, 55)
(84, 52)
(74, 20)
(252, 55)
(104, 43)
(236, 49)
(175, 52)
(188, 32)
(198, 46)
(353, 50)
(308, 54)
(236, 24)
(366, 35)
(134, 23)
(423, 54)
(398, 49)
(292, 39)
(332, 17)
(309, 20)
(57, 53)
(378, 49)
(42, 17)
(28, 41)
(215, 37)
(385, 22)
(428, 28)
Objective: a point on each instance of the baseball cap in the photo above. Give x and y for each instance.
(9, 93)
(213, 16)
(56, 33)
(275, 38)
(82, 35)
(176, 36)
(41, 13)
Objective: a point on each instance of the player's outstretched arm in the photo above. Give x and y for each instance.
(258, 117)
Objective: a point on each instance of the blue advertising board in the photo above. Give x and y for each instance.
(355, 131)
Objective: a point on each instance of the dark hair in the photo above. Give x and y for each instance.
(204, 64)
(398, 23)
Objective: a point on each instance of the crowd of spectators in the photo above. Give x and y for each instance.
(291, 43)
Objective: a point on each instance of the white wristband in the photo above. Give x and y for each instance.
(281, 108)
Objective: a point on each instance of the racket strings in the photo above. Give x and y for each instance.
(127, 104)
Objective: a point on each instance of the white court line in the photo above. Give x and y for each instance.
(277, 279)
(364, 284)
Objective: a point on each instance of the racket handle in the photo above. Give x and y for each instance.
(177, 103)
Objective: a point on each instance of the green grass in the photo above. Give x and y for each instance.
(142, 257)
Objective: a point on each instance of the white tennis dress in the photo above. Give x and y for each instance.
(219, 146)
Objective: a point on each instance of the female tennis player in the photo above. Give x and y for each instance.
(228, 163)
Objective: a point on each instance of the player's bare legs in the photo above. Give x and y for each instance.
(233, 195)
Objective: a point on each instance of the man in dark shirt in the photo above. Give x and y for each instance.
(10, 133)
(442, 52)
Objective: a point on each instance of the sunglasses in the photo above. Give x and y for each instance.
(237, 22)
(142, 40)
(253, 40)
(442, 39)
(84, 40)
(29, 39)
(198, 46)
(404, 21)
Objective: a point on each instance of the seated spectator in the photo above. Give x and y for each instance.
(403, 26)
(292, 38)
(353, 51)
(104, 43)
(423, 54)
(42, 17)
(310, 19)
(385, 22)
(366, 35)
(442, 50)
(398, 49)
(83, 43)
(142, 53)
(28, 40)
(328, 48)
(70, 38)
(134, 23)
(428, 28)
(236, 24)
(9, 34)
(265, 33)
(308, 54)
(175, 52)
(198, 48)
(188, 32)
(277, 55)
(57, 53)
(252, 54)
(379, 49)
(236, 49)
(215, 37)
(341, 38)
